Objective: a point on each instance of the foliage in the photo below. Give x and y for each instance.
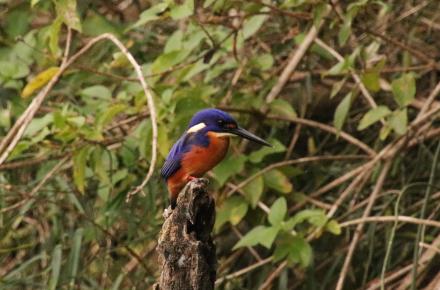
(64, 220)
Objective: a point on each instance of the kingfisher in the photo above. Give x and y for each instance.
(203, 145)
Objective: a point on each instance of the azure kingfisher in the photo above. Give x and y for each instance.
(203, 145)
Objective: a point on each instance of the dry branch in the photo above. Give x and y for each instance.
(185, 246)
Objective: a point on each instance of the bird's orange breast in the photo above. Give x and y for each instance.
(202, 159)
(197, 162)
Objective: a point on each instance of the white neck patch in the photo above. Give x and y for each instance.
(196, 128)
(222, 134)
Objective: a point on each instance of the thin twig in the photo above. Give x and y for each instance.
(293, 141)
(243, 271)
(354, 75)
(359, 228)
(307, 122)
(418, 54)
(268, 282)
(431, 247)
(296, 58)
(354, 185)
(400, 218)
(290, 162)
(429, 101)
(391, 277)
(37, 187)
(68, 42)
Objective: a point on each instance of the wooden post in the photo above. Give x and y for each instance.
(186, 250)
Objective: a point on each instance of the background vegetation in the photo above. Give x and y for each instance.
(348, 197)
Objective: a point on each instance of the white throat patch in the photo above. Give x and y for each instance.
(196, 128)
(221, 134)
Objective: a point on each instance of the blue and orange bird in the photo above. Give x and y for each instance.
(203, 145)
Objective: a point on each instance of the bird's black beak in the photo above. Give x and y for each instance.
(248, 135)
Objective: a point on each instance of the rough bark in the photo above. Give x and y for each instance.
(186, 250)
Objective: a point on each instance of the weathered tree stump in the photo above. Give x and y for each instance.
(185, 246)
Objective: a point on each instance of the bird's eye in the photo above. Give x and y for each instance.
(221, 123)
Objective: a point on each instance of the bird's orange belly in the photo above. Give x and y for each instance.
(197, 162)
(202, 159)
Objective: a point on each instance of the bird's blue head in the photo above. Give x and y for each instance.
(220, 122)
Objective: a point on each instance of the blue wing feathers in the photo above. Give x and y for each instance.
(172, 164)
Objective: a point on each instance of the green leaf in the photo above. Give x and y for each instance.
(98, 92)
(183, 10)
(259, 235)
(399, 121)
(337, 87)
(67, 10)
(5, 118)
(107, 116)
(257, 156)
(404, 89)
(208, 3)
(150, 14)
(253, 24)
(301, 252)
(118, 281)
(295, 248)
(373, 116)
(95, 24)
(293, 3)
(315, 217)
(232, 210)
(342, 111)
(101, 164)
(74, 256)
(384, 131)
(371, 80)
(281, 251)
(276, 180)
(79, 167)
(34, 2)
(270, 235)
(119, 61)
(345, 65)
(38, 124)
(344, 32)
(163, 142)
(16, 21)
(253, 190)
(54, 34)
(264, 61)
(24, 51)
(278, 211)
(318, 12)
(13, 70)
(174, 42)
(333, 227)
(167, 60)
(56, 267)
(228, 167)
(283, 108)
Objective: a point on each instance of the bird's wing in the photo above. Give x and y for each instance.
(172, 163)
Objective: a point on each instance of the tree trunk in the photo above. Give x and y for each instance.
(185, 247)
